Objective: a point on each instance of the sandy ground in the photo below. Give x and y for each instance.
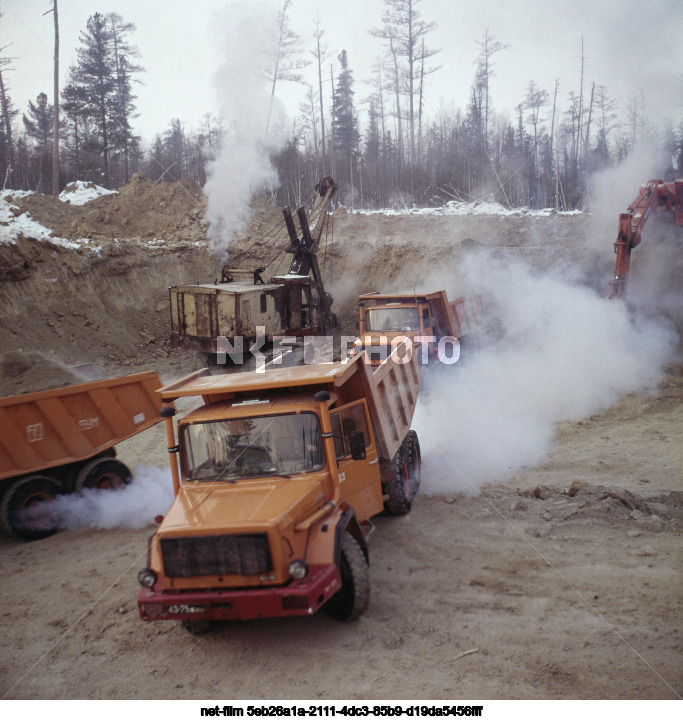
(563, 582)
(536, 589)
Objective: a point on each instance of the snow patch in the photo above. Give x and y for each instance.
(80, 192)
(15, 222)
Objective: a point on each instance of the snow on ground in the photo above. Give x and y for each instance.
(15, 222)
(456, 207)
(79, 192)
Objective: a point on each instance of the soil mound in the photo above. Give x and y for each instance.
(140, 209)
(30, 372)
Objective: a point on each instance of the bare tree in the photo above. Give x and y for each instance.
(287, 61)
(55, 132)
(636, 116)
(606, 116)
(586, 142)
(321, 54)
(212, 130)
(6, 113)
(404, 30)
(488, 47)
(536, 99)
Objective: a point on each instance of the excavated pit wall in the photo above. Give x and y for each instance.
(106, 302)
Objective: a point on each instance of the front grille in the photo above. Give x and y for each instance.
(216, 555)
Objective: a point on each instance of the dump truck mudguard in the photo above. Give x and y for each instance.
(298, 598)
(348, 523)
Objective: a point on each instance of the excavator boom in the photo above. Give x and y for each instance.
(654, 196)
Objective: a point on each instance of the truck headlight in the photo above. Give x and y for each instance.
(298, 570)
(147, 578)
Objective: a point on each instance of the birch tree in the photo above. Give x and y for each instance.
(287, 60)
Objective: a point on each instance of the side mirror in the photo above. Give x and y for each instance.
(428, 322)
(357, 445)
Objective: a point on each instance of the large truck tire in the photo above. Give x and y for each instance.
(21, 512)
(102, 473)
(405, 481)
(351, 601)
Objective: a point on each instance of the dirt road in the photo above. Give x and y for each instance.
(546, 587)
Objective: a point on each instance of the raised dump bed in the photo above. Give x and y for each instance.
(62, 441)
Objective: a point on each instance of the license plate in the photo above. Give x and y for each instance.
(186, 608)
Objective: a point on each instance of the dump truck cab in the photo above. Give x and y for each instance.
(429, 321)
(388, 319)
(276, 480)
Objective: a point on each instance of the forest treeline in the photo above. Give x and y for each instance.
(383, 149)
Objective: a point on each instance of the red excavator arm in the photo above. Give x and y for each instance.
(654, 196)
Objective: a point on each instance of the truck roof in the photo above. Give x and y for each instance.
(233, 287)
(251, 406)
(390, 390)
(216, 387)
(397, 297)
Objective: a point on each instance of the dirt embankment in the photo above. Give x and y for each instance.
(105, 301)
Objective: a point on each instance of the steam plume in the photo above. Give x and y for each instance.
(149, 494)
(562, 352)
(243, 161)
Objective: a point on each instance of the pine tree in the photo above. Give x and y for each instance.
(125, 70)
(175, 150)
(39, 127)
(344, 118)
(95, 75)
(100, 91)
(39, 123)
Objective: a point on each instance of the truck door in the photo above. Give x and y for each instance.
(360, 479)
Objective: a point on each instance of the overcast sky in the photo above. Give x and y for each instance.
(629, 46)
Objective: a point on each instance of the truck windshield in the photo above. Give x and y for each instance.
(392, 319)
(278, 445)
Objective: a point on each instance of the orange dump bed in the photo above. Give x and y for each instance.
(460, 316)
(65, 425)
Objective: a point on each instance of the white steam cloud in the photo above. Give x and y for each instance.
(243, 161)
(148, 495)
(561, 352)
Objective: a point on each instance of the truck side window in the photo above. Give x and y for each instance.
(347, 419)
(353, 419)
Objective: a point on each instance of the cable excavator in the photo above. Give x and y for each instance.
(256, 305)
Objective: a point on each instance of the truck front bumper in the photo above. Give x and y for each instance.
(298, 598)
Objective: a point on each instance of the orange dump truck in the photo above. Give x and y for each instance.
(428, 320)
(276, 478)
(62, 441)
